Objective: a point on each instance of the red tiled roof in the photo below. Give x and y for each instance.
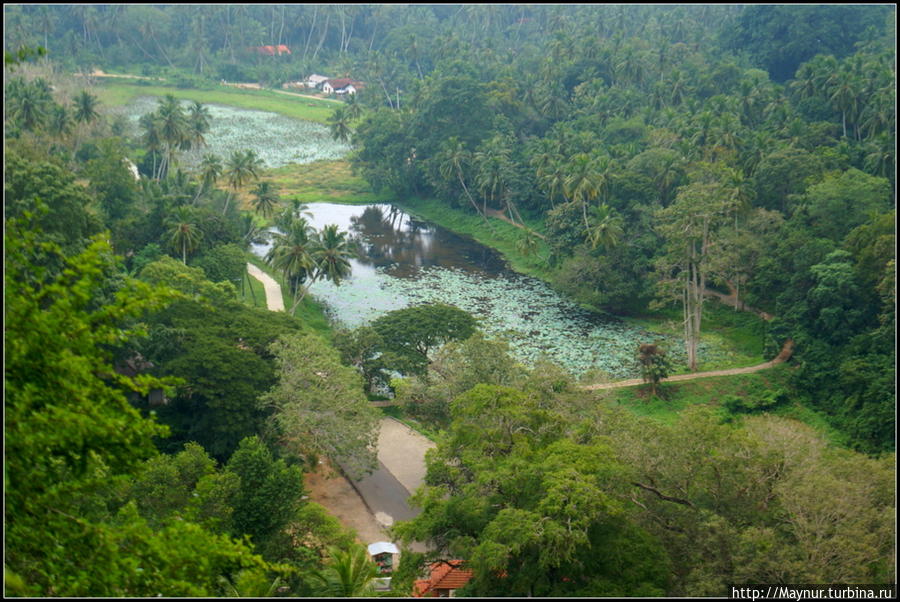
(445, 574)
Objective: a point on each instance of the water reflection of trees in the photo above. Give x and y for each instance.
(390, 236)
(387, 236)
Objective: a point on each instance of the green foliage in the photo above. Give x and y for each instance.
(410, 334)
(65, 217)
(348, 573)
(223, 263)
(528, 507)
(780, 38)
(269, 494)
(74, 439)
(853, 195)
(319, 406)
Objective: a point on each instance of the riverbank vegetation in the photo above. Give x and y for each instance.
(640, 158)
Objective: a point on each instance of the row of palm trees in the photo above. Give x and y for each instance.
(304, 256)
(30, 105)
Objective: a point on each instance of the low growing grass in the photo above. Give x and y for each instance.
(323, 182)
(737, 337)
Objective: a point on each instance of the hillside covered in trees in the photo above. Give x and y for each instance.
(643, 160)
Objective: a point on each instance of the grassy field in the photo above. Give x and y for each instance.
(323, 182)
(738, 336)
(116, 93)
(711, 392)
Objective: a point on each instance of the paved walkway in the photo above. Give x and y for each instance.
(274, 300)
(402, 451)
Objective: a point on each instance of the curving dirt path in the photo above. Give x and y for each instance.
(274, 300)
(784, 355)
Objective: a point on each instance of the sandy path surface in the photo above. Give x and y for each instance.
(274, 300)
(335, 493)
(402, 451)
(783, 356)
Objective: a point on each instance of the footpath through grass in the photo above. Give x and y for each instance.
(713, 392)
(116, 93)
(310, 312)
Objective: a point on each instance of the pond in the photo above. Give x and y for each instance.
(404, 261)
(276, 139)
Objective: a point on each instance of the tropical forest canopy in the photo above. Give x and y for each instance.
(648, 156)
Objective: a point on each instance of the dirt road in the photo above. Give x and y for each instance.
(785, 354)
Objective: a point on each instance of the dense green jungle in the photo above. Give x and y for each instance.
(629, 269)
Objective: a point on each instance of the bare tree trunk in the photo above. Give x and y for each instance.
(324, 34)
(311, 28)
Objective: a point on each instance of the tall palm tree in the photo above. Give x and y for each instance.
(60, 124)
(198, 125)
(494, 168)
(266, 197)
(347, 574)
(184, 232)
(28, 105)
(240, 169)
(86, 107)
(453, 160)
(339, 122)
(249, 584)
(210, 172)
(586, 181)
(605, 229)
(332, 255)
(292, 254)
(297, 209)
(354, 107)
(172, 126)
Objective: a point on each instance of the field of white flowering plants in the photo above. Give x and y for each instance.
(276, 139)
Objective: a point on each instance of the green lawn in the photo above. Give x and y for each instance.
(711, 392)
(116, 93)
(738, 336)
(323, 182)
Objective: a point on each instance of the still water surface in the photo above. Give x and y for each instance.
(404, 261)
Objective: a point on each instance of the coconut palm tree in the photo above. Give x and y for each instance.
(266, 197)
(249, 584)
(28, 105)
(605, 228)
(453, 160)
(172, 126)
(339, 122)
(198, 125)
(292, 254)
(184, 232)
(61, 121)
(210, 172)
(240, 169)
(586, 181)
(297, 209)
(86, 107)
(347, 574)
(332, 255)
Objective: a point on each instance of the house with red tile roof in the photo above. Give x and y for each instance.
(447, 576)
